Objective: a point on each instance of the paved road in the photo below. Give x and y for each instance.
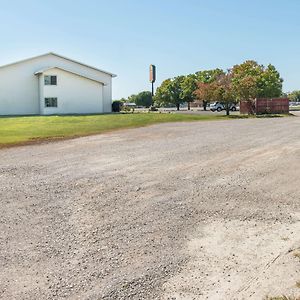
(203, 210)
(193, 111)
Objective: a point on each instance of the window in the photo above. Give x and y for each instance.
(50, 80)
(50, 102)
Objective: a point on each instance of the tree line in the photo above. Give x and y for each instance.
(294, 96)
(141, 99)
(246, 81)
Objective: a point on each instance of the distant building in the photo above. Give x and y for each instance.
(53, 84)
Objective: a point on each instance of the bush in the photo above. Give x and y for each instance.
(116, 106)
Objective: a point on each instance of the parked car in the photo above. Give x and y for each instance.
(218, 106)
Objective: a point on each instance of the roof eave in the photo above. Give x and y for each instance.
(69, 71)
(83, 64)
(61, 56)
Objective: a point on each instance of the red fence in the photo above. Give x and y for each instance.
(247, 107)
(265, 106)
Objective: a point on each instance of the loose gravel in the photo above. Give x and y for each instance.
(162, 212)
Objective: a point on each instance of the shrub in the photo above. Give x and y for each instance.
(116, 106)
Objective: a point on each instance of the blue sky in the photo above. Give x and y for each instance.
(179, 37)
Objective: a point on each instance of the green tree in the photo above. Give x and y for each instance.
(121, 100)
(142, 99)
(224, 90)
(188, 88)
(294, 96)
(245, 79)
(203, 78)
(251, 80)
(170, 92)
(205, 92)
(220, 89)
(270, 83)
(131, 99)
(208, 76)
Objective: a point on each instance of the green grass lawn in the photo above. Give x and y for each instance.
(16, 130)
(19, 130)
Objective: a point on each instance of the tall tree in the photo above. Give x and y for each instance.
(224, 90)
(204, 77)
(220, 89)
(251, 80)
(170, 92)
(131, 99)
(294, 96)
(205, 92)
(142, 99)
(188, 88)
(270, 83)
(208, 76)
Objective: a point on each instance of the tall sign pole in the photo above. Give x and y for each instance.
(152, 78)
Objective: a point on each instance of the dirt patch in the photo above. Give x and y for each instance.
(239, 260)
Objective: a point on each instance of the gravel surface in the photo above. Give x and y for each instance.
(203, 210)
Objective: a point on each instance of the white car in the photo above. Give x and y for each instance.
(218, 106)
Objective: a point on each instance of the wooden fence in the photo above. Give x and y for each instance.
(265, 106)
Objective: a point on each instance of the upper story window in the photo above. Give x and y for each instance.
(50, 80)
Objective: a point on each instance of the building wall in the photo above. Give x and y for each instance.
(19, 90)
(19, 87)
(75, 94)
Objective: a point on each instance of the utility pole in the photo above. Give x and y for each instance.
(152, 83)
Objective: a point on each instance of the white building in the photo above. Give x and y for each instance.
(53, 84)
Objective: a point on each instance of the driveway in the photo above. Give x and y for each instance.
(202, 210)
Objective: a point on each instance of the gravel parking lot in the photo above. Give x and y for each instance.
(202, 210)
